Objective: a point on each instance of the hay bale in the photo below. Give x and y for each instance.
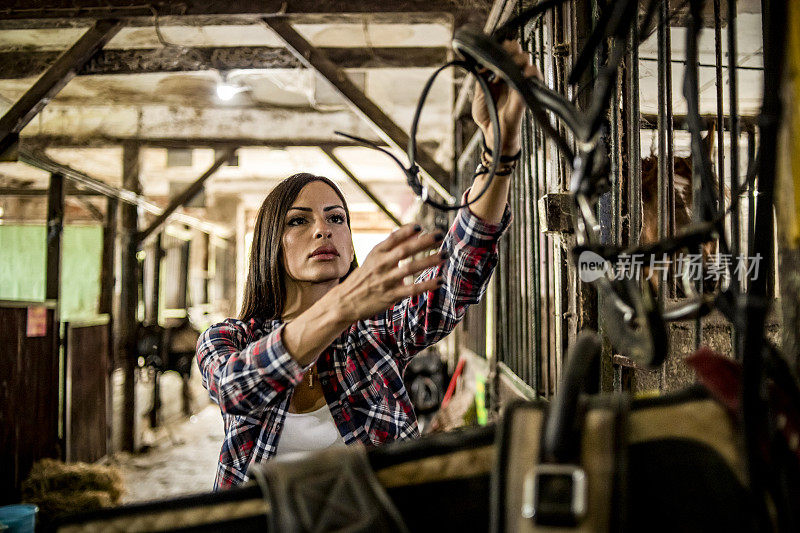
(61, 489)
(55, 505)
(49, 475)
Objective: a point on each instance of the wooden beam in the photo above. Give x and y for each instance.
(26, 64)
(24, 13)
(127, 196)
(55, 227)
(40, 142)
(361, 186)
(384, 126)
(22, 191)
(152, 277)
(52, 81)
(88, 206)
(184, 197)
(105, 303)
(129, 297)
(205, 121)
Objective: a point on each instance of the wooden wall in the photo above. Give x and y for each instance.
(29, 391)
(88, 367)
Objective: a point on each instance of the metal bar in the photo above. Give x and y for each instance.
(691, 94)
(666, 206)
(56, 77)
(751, 200)
(338, 162)
(632, 124)
(617, 178)
(438, 178)
(43, 162)
(55, 228)
(186, 196)
(720, 112)
(753, 408)
(129, 297)
(733, 110)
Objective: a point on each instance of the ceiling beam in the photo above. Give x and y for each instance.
(27, 64)
(52, 81)
(41, 142)
(179, 122)
(25, 192)
(25, 13)
(370, 112)
(43, 162)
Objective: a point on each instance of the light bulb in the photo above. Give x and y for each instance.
(226, 91)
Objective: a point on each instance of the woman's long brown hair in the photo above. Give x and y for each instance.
(264, 291)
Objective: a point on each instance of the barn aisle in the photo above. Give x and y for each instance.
(182, 461)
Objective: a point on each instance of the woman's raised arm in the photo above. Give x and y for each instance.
(371, 288)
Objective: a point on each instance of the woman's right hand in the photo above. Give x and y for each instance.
(379, 283)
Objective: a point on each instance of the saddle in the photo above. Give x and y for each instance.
(611, 463)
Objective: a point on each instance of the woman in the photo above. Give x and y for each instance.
(317, 355)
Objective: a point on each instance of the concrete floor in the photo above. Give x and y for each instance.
(181, 461)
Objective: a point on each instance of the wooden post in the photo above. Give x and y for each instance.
(106, 306)
(55, 229)
(129, 296)
(152, 279)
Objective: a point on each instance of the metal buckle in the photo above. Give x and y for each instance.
(555, 495)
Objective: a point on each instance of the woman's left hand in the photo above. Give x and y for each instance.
(510, 104)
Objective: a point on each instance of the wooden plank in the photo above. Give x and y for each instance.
(26, 64)
(56, 77)
(28, 399)
(384, 126)
(40, 142)
(55, 227)
(87, 370)
(26, 12)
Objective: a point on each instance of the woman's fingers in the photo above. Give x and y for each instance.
(398, 236)
(413, 268)
(413, 246)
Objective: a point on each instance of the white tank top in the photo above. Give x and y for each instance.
(304, 432)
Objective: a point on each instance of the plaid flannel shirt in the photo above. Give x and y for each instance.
(251, 376)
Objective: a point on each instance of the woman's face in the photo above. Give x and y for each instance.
(317, 245)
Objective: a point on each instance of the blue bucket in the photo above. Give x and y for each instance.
(19, 518)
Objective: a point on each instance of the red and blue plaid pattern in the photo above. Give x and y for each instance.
(251, 376)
